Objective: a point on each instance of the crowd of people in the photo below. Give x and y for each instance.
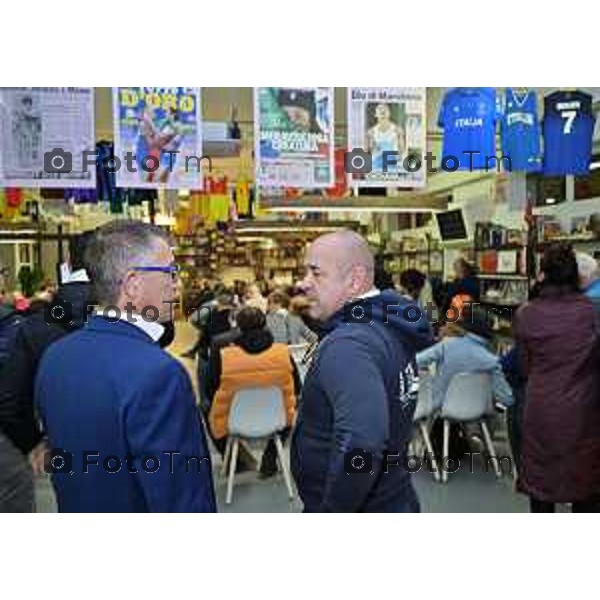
(96, 399)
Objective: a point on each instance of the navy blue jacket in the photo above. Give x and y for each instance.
(356, 396)
(109, 391)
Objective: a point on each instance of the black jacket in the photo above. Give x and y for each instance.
(17, 419)
(357, 397)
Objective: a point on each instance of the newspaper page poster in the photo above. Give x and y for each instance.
(158, 137)
(386, 134)
(294, 137)
(44, 133)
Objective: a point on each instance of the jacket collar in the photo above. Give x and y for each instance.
(102, 325)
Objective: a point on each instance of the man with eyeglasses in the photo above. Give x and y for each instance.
(119, 412)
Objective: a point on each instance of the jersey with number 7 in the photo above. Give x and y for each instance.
(568, 130)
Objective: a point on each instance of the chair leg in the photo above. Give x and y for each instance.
(232, 467)
(283, 466)
(429, 448)
(446, 451)
(490, 448)
(226, 456)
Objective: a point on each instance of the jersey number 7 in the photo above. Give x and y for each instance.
(569, 116)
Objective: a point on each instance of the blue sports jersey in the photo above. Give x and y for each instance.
(520, 131)
(468, 117)
(568, 130)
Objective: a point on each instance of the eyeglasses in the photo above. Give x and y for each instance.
(173, 270)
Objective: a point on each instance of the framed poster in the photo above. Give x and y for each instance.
(44, 133)
(386, 134)
(158, 137)
(294, 137)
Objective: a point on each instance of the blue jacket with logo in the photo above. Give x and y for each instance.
(110, 393)
(356, 397)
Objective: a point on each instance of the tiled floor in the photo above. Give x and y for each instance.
(465, 491)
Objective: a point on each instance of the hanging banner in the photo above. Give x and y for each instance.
(386, 135)
(158, 137)
(44, 134)
(294, 137)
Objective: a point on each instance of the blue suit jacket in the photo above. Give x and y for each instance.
(111, 397)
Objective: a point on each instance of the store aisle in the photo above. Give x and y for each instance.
(465, 492)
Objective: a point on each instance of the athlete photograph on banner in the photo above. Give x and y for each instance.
(294, 137)
(158, 137)
(44, 133)
(386, 135)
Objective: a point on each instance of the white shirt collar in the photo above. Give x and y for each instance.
(374, 292)
(78, 276)
(154, 330)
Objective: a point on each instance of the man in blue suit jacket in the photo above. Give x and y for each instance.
(119, 412)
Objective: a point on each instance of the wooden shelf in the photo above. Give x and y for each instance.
(500, 276)
(500, 304)
(569, 241)
(502, 248)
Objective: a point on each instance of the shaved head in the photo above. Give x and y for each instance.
(340, 267)
(348, 250)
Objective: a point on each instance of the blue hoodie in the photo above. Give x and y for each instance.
(356, 397)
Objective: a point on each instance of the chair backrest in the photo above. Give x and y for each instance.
(468, 397)
(425, 406)
(257, 412)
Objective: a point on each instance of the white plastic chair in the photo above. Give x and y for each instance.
(469, 400)
(424, 414)
(255, 413)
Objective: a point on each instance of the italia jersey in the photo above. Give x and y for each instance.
(520, 131)
(468, 117)
(568, 131)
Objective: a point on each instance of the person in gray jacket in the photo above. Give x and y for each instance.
(467, 352)
(286, 327)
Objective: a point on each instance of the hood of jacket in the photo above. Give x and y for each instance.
(402, 316)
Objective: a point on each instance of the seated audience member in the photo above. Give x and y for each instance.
(277, 317)
(286, 326)
(466, 353)
(589, 277)
(465, 287)
(253, 360)
(254, 298)
(416, 286)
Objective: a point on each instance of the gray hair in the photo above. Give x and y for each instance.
(587, 266)
(113, 250)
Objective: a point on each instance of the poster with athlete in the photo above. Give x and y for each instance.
(389, 126)
(158, 137)
(44, 133)
(294, 137)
